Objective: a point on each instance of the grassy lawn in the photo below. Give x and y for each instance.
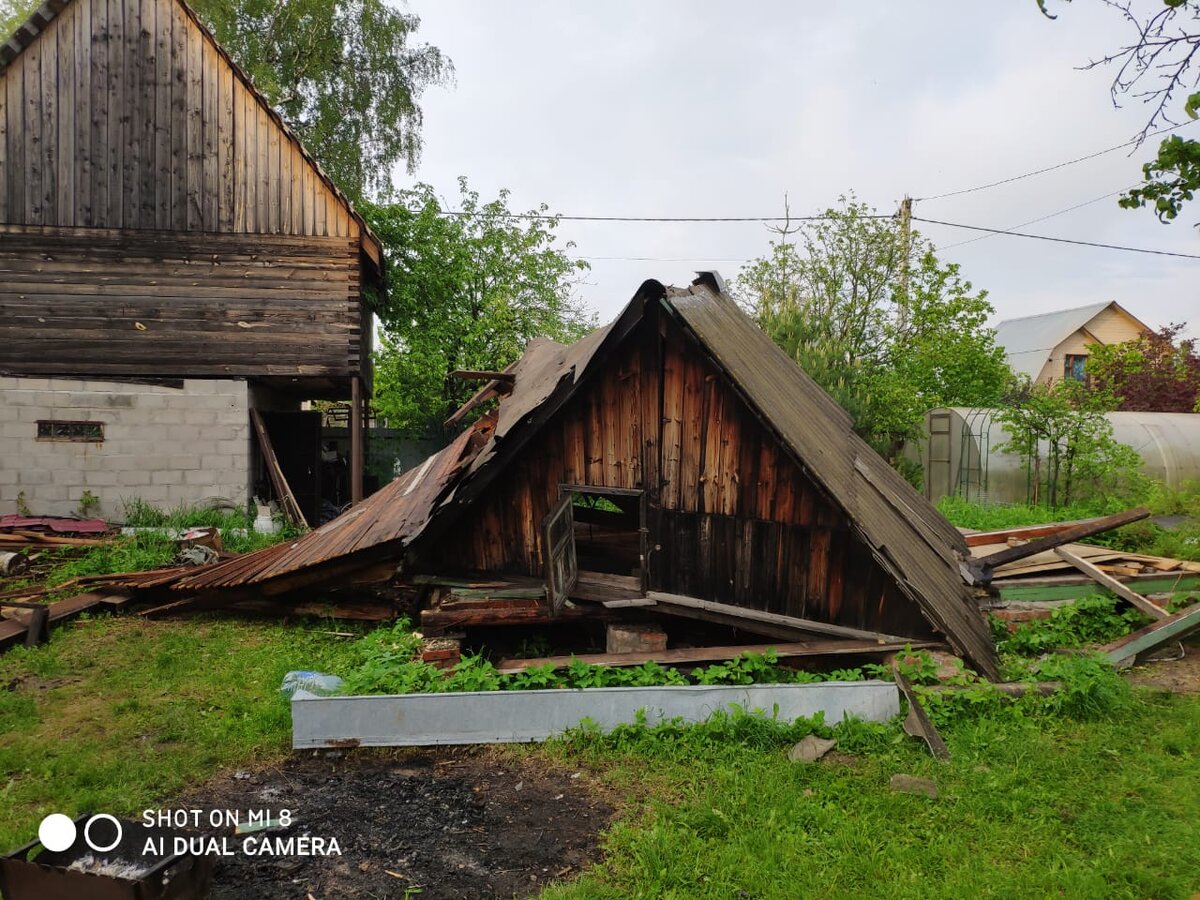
(1028, 807)
(116, 714)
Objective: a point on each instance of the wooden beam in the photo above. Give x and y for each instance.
(1107, 581)
(1025, 533)
(755, 615)
(1124, 652)
(357, 452)
(979, 571)
(291, 509)
(484, 394)
(473, 618)
(690, 655)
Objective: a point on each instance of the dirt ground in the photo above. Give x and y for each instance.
(451, 823)
(1179, 676)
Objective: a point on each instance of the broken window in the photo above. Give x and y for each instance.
(608, 529)
(81, 432)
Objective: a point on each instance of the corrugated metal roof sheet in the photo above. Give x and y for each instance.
(907, 536)
(393, 516)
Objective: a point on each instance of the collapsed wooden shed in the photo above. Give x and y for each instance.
(678, 454)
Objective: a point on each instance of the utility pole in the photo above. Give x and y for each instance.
(906, 253)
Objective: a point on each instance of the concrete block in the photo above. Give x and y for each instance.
(25, 384)
(234, 447)
(635, 638)
(8, 476)
(131, 477)
(154, 494)
(200, 478)
(50, 493)
(25, 429)
(100, 478)
(168, 476)
(32, 476)
(216, 463)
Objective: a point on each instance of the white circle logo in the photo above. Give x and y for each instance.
(57, 832)
(87, 832)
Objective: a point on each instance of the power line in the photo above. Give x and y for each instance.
(1062, 165)
(1061, 212)
(564, 218)
(1057, 240)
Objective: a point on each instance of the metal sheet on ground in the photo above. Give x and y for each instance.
(494, 717)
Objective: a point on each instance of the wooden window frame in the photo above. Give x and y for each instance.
(643, 531)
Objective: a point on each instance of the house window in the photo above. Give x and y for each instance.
(1074, 366)
(79, 432)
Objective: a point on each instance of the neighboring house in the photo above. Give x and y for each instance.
(676, 451)
(171, 258)
(1052, 346)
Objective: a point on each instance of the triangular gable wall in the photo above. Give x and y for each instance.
(733, 517)
(126, 114)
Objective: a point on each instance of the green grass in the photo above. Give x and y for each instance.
(135, 710)
(120, 714)
(1028, 807)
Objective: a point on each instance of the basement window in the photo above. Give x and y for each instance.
(78, 432)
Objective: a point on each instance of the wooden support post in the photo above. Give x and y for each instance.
(356, 440)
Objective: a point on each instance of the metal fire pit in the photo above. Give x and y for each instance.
(47, 876)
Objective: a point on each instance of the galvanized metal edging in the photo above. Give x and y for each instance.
(489, 717)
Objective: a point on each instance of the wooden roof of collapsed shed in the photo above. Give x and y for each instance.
(909, 539)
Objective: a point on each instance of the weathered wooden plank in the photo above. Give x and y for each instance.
(1107, 581)
(274, 179)
(694, 655)
(1125, 652)
(64, 197)
(132, 113)
(260, 156)
(771, 618)
(211, 128)
(226, 180)
(979, 571)
(35, 160)
(117, 104)
(83, 172)
(195, 129)
(179, 121)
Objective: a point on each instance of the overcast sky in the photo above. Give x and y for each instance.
(719, 109)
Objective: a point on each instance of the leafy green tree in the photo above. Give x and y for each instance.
(876, 320)
(345, 75)
(469, 289)
(1158, 68)
(1066, 443)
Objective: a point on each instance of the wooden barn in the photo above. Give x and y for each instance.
(674, 459)
(171, 258)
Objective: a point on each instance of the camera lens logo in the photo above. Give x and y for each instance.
(58, 832)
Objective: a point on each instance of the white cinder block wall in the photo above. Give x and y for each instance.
(166, 446)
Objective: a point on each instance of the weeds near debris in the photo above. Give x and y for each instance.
(1090, 620)
(387, 661)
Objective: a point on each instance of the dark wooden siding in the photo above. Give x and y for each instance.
(124, 114)
(88, 302)
(735, 519)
